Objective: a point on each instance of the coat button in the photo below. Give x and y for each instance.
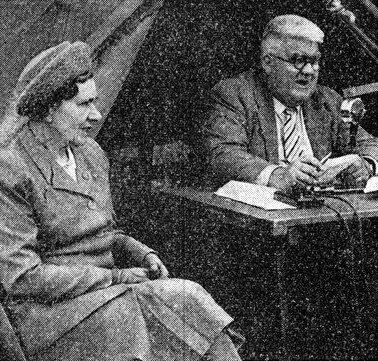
(95, 176)
(92, 204)
(86, 175)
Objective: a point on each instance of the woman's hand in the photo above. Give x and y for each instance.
(132, 275)
(155, 266)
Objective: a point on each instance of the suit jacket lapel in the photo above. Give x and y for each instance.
(267, 120)
(317, 122)
(316, 117)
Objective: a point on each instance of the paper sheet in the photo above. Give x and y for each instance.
(371, 185)
(253, 194)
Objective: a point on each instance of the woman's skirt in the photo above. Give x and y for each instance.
(169, 320)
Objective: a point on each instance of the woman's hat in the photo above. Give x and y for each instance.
(49, 71)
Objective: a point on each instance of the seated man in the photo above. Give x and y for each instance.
(274, 126)
(67, 297)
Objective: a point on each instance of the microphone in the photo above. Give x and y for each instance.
(352, 111)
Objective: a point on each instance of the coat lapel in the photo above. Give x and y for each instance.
(86, 174)
(318, 125)
(53, 173)
(267, 121)
(37, 153)
(317, 121)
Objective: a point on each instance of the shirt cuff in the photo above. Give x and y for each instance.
(264, 176)
(372, 162)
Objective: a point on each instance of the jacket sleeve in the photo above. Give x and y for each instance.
(126, 248)
(367, 146)
(227, 133)
(22, 271)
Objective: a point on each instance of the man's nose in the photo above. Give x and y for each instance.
(308, 69)
(94, 114)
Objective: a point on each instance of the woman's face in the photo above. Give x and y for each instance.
(74, 118)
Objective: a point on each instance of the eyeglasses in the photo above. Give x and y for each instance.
(300, 61)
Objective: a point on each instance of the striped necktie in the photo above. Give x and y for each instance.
(291, 135)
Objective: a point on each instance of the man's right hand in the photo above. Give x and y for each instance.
(301, 173)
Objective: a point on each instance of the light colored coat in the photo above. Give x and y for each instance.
(57, 248)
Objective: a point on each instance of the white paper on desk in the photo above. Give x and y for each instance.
(253, 194)
(371, 185)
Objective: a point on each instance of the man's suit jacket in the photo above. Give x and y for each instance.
(57, 239)
(241, 134)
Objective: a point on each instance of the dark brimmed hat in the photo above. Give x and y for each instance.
(49, 71)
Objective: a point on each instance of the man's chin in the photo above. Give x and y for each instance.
(302, 95)
(79, 140)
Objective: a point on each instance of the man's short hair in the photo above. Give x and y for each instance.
(285, 27)
(294, 26)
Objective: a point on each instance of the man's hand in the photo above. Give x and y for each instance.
(155, 266)
(303, 172)
(358, 173)
(351, 169)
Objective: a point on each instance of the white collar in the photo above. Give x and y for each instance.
(279, 108)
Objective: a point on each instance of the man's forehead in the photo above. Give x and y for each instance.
(300, 46)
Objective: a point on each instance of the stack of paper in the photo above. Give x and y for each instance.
(253, 194)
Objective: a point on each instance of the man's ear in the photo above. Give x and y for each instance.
(266, 63)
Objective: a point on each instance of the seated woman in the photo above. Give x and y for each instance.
(67, 297)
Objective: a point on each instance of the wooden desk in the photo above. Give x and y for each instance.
(282, 225)
(279, 222)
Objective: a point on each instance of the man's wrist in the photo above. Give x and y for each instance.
(264, 177)
(116, 275)
(278, 177)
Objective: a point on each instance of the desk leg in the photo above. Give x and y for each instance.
(285, 242)
(283, 298)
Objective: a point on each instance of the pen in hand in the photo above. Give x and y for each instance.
(324, 160)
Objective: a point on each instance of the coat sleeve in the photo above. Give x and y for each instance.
(367, 146)
(22, 271)
(227, 132)
(127, 248)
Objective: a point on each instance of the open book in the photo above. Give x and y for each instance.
(253, 194)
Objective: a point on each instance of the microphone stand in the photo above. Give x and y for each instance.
(349, 20)
(370, 7)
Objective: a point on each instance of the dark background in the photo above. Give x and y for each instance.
(194, 44)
